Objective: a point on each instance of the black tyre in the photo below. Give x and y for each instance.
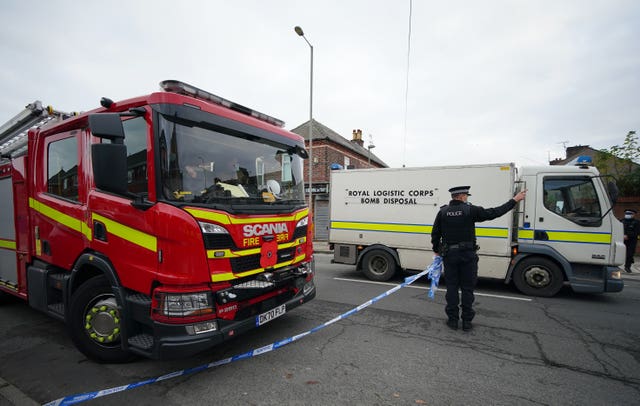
(378, 265)
(538, 277)
(94, 322)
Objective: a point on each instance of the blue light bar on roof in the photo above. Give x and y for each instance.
(175, 86)
(584, 160)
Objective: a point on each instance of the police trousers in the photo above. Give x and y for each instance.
(631, 251)
(461, 272)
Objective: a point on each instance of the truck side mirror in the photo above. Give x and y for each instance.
(107, 125)
(110, 167)
(109, 160)
(613, 192)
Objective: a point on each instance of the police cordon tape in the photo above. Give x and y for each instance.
(82, 397)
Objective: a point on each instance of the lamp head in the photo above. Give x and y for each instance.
(299, 31)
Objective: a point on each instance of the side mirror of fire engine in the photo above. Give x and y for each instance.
(107, 125)
(109, 163)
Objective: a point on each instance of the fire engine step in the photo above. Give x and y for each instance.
(143, 341)
(56, 309)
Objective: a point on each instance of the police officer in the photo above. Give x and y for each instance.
(631, 231)
(454, 238)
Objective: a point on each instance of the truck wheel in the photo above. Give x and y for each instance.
(378, 265)
(94, 322)
(538, 277)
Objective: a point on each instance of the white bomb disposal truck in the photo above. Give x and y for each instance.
(564, 232)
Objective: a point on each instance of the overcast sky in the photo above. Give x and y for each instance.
(489, 81)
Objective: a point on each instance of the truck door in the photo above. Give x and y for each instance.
(59, 206)
(122, 232)
(569, 219)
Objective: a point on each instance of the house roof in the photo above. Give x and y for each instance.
(573, 153)
(321, 132)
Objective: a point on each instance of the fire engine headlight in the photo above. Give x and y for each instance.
(208, 228)
(303, 222)
(185, 304)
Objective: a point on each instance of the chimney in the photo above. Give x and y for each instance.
(357, 137)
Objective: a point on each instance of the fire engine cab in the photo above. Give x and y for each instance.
(158, 226)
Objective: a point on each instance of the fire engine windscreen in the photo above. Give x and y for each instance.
(200, 165)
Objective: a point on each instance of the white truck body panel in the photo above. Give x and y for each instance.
(396, 207)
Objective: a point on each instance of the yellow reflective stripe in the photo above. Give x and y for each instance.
(227, 276)
(411, 228)
(569, 236)
(492, 232)
(525, 234)
(388, 227)
(222, 218)
(86, 230)
(579, 237)
(58, 216)
(9, 244)
(129, 234)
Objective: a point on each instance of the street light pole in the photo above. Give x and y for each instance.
(299, 31)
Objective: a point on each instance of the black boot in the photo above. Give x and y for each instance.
(466, 325)
(452, 324)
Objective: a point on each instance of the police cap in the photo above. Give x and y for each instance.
(630, 211)
(459, 190)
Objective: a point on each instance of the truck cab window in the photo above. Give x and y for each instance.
(572, 198)
(62, 170)
(135, 131)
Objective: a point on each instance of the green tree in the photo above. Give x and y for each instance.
(620, 162)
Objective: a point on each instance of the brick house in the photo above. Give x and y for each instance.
(331, 150)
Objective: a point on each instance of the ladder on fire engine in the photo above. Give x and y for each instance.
(13, 133)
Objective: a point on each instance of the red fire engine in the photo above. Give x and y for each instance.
(158, 226)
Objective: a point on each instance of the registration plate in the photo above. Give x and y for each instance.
(270, 315)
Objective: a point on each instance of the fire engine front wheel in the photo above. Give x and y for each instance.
(94, 322)
(378, 265)
(538, 277)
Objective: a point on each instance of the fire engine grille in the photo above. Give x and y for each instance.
(250, 262)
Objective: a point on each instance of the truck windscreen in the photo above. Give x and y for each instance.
(201, 165)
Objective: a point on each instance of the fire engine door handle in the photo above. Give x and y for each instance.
(99, 231)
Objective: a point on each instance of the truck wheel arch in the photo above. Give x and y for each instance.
(382, 249)
(539, 272)
(527, 250)
(89, 265)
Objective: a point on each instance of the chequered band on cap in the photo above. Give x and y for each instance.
(459, 190)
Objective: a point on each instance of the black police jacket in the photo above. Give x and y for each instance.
(631, 228)
(455, 223)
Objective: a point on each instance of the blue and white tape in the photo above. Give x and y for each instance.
(82, 397)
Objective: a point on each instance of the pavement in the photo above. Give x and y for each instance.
(635, 270)
(322, 247)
